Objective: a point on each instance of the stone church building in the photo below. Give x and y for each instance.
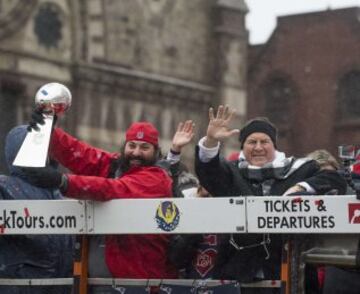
(166, 61)
(163, 61)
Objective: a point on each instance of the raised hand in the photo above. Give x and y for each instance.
(218, 128)
(183, 135)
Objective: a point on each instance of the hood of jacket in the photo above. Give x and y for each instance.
(13, 142)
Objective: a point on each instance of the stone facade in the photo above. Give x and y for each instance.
(306, 79)
(124, 60)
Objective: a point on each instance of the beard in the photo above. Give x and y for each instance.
(131, 161)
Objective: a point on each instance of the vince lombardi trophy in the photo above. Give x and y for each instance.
(52, 98)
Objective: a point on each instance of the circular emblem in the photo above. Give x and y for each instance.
(167, 216)
(140, 135)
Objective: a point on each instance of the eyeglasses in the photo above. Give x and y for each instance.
(266, 240)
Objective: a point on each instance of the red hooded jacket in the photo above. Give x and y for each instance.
(127, 256)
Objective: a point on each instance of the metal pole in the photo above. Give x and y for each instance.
(285, 268)
(330, 259)
(81, 265)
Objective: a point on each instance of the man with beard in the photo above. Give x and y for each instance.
(99, 175)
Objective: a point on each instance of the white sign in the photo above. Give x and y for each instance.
(303, 214)
(167, 215)
(19, 217)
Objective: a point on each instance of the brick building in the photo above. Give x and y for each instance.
(125, 60)
(306, 79)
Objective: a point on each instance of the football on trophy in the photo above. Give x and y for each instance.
(53, 98)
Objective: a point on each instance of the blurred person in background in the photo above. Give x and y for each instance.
(31, 256)
(315, 275)
(335, 279)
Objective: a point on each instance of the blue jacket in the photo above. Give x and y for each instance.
(30, 256)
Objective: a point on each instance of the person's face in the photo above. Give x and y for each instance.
(139, 153)
(258, 149)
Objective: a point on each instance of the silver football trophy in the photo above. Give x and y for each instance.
(52, 98)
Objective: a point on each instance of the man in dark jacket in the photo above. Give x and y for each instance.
(260, 170)
(30, 256)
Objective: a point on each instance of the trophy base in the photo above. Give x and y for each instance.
(33, 152)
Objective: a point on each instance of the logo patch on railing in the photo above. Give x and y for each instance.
(167, 216)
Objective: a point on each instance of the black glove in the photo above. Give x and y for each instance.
(45, 177)
(37, 118)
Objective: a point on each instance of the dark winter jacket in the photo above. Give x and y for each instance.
(30, 256)
(194, 255)
(223, 178)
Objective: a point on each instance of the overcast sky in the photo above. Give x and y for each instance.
(261, 19)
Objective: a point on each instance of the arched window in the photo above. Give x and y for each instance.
(349, 96)
(48, 25)
(279, 97)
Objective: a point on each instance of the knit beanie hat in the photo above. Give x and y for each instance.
(143, 131)
(258, 125)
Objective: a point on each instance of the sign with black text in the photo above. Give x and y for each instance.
(18, 217)
(303, 214)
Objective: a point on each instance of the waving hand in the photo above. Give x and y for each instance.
(218, 128)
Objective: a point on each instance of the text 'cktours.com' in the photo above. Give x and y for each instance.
(13, 219)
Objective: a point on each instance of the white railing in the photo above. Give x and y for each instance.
(325, 215)
(309, 214)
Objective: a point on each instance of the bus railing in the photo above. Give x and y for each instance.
(328, 220)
